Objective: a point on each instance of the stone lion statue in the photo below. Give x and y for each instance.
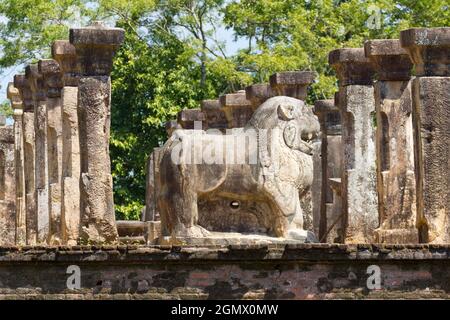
(266, 165)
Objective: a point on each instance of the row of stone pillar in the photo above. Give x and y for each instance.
(381, 174)
(7, 183)
(390, 182)
(63, 183)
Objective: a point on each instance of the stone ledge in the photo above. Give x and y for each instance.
(253, 253)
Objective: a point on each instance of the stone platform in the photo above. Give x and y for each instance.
(278, 271)
(234, 238)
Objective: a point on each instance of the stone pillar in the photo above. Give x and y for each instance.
(238, 110)
(41, 152)
(357, 106)
(17, 105)
(187, 118)
(257, 94)
(330, 226)
(95, 48)
(152, 173)
(394, 141)
(22, 84)
(214, 115)
(292, 83)
(64, 53)
(7, 185)
(150, 203)
(51, 75)
(429, 50)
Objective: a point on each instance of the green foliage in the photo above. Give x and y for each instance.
(32, 25)
(174, 56)
(150, 84)
(5, 109)
(299, 34)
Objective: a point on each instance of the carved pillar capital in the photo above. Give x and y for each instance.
(95, 47)
(258, 93)
(292, 83)
(428, 49)
(65, 54)
(13, 95)
(22, 84)
(51, 74)
(351, 66)
(390, 61)
(329, 116)
(36, 82)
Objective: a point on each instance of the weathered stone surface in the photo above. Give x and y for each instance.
(331, 167)
(188, 117)
(357, 107)
(395, 152)
(146, 232)
(130, 228)
(292, 83)
(153, 232)
(41, 152)
(254, 196)
(17, 105)
(171, 126)
(316, 187)
(65, 54)
(97, 204)
(214, 114)
(429, 50)
(238, 110)
(360, 199)
(22, 84)
(390, 61)
(431, 111)
(52, 77)
(95, 48)
(150, 201)
(351, 66)
(336, 223)
(152, 169)
(301, 271)
(258, 94)
(295, 84)
(70, 210)
(7, 187)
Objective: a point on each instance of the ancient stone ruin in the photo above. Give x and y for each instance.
(354, 176)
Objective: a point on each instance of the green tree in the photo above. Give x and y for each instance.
(150, 85)
(30, 26)
(170, 60)
(5, 109)
(299, 34)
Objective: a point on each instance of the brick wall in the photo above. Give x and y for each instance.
(307, 271)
